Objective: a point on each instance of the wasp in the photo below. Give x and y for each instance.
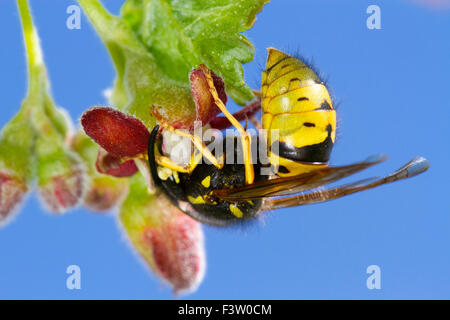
(296, 104)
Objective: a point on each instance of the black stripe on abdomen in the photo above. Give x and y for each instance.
(319, 152)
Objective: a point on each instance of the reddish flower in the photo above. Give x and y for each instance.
(204, 102)
(12, 191)
(206, 109)
(178, 253)
(111, 165)
(169, 241)
(114, 131)
(63, 192)
(105, 193)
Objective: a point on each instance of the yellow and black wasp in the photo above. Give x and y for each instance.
(296, 104)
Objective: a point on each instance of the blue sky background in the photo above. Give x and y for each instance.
(393, 86)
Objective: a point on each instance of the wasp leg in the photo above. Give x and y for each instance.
(172, 165)
(257, 93)
(195, 159)
(249, 111)
(141, 156)
(245, 137)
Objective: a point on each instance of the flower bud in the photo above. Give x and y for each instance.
(169, 241)
(60, 176)
(177, 250)
(103, 192)
(12, 191)
(16, 164)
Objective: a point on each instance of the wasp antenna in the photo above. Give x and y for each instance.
(151, 155)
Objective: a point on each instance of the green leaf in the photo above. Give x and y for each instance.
(183, 34)
(154, 45)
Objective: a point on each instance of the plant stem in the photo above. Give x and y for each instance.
(38, 106)
(37, 79)
(98, 15)
(109, 27)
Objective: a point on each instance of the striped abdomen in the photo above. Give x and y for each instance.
(296, 103)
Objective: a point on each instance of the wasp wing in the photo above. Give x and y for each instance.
(411, 169)
(295, 184)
